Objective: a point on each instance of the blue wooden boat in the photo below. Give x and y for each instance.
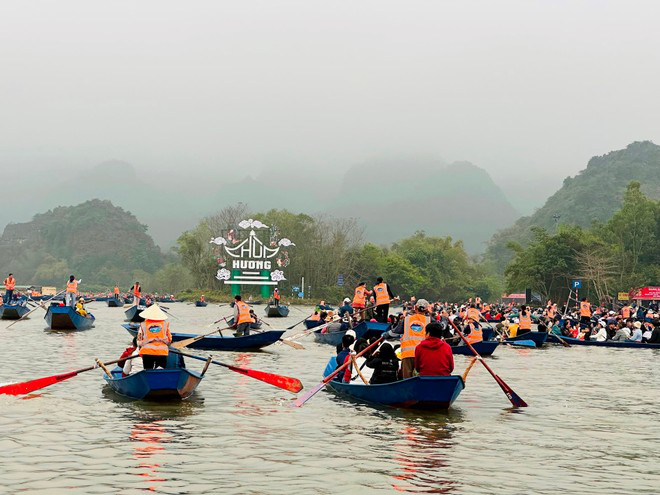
(13, 311)
(538, 338)
(484, 348)
(66, 318)
(133, 314)
(115, 303)
(325, 307)
(254, 326)
(172, 383)
(280, 311)
(374, 329)
(201, 304)
(250, 342)
(487, 332)
(334, 338)
(420, 392)
(607, 343)
(309, 324)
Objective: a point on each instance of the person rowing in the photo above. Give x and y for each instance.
(154, 338)
(242, 317)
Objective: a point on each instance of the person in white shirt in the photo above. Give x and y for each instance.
(637, 332)
(601, 333)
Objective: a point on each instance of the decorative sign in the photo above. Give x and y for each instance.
(623, 296)
(251, 261)
(576, 284)
(340, 280)
(648, 294)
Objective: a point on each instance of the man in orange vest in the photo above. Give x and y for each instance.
(116, 292)
(276, 296)
(585, 313)
(360, 300)
(154, 338)
(473, 317)
(414, 331)
(525, 320)
(383, 296)
(242, 317)
(625, 311)
(137, 293)
(71, 291)
(10, 285)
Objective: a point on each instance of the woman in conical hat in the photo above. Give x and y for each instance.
(154, 338)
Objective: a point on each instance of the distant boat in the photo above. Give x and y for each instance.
(173, 383)
(538, 338)
(484, 348)
(607, 343)
(115, 303)
(252, 342)
(13, 311)
(280, 311)
(420, 392)
(133, 314)
(66, 318)
(334, 338)
(201, 304)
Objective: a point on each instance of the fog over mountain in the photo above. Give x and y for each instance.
(295, 94)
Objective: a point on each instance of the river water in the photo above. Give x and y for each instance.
(592, 425)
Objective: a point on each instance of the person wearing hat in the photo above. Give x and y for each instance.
(601, 332)
(80, 307)
(154, 338)
(345, 308)
(637, 332)
(414, 331)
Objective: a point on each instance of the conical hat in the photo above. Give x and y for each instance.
(154, 313)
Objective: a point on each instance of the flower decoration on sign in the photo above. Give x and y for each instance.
(252, 224)
(285, 242)
(222, 262)
(220, 241)
(223, 274)
(277, 276)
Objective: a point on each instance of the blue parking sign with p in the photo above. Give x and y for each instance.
(576, 284)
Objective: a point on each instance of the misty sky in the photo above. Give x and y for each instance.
(528, 90)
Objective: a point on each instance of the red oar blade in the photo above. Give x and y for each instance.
(284, 382)
(511, 395)
(300, 401)
(32, 385)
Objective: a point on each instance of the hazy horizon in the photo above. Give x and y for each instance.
(197, 96)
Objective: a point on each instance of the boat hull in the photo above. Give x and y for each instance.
(158, 384)
(608, 343)
(66, 318)
(484, 348)
(251, 342)
(201, 304)
(334, 338)
(115, 303)
(538, 338)
(13, 311)
(277, 311)
(133, 314)
(420, 392)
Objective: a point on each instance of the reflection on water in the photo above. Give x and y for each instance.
(149, 441)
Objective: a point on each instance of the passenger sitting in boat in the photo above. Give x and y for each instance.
(154, 338)
(622, 334)
(343, 356)
(637, 332)
(513, 328)
(129, 366)
(385, 365)
(433, 356)
(655, 334)
(315, 317)
(601, 332)
(80, 307)
(346, 308)
(254, 316)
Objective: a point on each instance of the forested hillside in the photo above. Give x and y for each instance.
(594, 195)
(95, 240)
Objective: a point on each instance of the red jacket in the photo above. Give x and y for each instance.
(433, 357)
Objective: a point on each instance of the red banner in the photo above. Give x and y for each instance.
(648, 293)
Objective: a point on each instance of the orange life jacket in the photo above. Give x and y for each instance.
(475, 334)
(243, 313)
(473, 314)
(116, 291)
(154, 337)
(525, 321)
(201, 298)
(72, 287)
(625, 312)
(136, 290)
(315, 317)
(276, 294)
(414, 331)
(382, 296)
(585, 308)
(10, 283)
(360, 297)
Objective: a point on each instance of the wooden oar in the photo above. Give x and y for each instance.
(41, 306)
(469, 367)
(185, 343)
(358, 369)
(284, 382)
(32, 385)
(508, 391)
(300, 401)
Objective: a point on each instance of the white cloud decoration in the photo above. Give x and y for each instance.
(223, 274)
(285, 242)
(219, 241)
(252, 224)
(277, 275)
